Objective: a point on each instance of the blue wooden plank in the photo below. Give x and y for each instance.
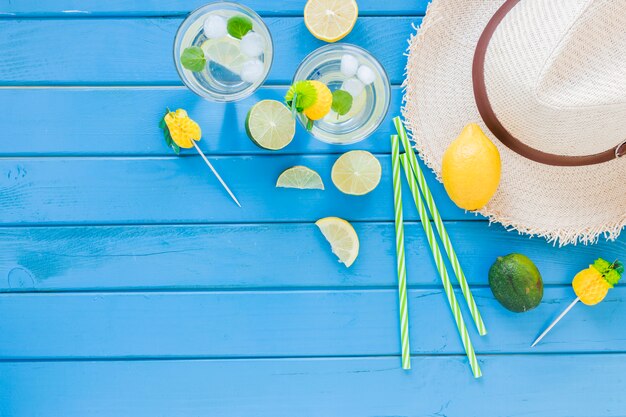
(78, 8)
(183, 190)
(139, 51)
(288, 324)
(150, 257)
(538, 386)
(108, 121)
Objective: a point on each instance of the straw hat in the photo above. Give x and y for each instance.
(546, 80)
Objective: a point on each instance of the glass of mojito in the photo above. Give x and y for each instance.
(341, 92)
(223, 51)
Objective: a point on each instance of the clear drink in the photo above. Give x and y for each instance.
(238, 56)
(370, 99)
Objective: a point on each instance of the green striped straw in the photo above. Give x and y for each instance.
(441, 229)
(443, 272)
(401, 265)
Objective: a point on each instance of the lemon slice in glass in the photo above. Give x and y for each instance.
(300, 177)
(225, 51)
(343, 240)
(270, 125)
(330, 20)
(356, 172)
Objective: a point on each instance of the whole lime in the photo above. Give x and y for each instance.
(516, 282)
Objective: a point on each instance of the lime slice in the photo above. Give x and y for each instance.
(356, 172)
(358, 104)
(343, 240)
(330, 20)
(225, 52)
(300, 177)
(269, 124)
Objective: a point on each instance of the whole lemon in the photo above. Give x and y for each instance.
(471, 169)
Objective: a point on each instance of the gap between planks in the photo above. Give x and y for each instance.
(247, 290)
(217, 223)
(63, 359)
(85, 15)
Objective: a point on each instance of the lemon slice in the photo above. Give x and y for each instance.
(356, 172)
(342, 238)
(270, 125)
(225, 51)
(300, 177)
(330, 20)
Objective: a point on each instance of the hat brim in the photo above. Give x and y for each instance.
(565, 205)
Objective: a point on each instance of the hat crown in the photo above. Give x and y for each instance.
(555, 74)
(598, 35)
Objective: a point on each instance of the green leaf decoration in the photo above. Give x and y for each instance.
(342, 102)
(166, 135)
(304, 93)
(193, 59)
(309, 124)
(611, 272)
(238, 26)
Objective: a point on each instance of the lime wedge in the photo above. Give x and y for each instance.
(356, 172)
(269, 124)
(225, 51)
(300, 177)
(343, 240)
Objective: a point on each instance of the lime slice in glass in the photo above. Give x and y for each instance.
(300, 177)
(343, 240)
(225, 51)
(269, 124)
(356, 172)
(358, 104)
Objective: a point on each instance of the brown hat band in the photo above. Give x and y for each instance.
(494, 125)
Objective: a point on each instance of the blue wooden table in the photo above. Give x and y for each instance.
(131, 285)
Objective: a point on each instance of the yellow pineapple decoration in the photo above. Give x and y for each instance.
(181, 129)
(592, 284)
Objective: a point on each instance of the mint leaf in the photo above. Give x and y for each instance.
(238, 26)
(193, 59)
(342, 102)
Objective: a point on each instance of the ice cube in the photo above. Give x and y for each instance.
(353, 86)
(349, 65)
(214, 26)
(366, 75)
(252, 70)
(252, 44)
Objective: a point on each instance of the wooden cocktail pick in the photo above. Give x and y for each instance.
(182, 132)
(591, 286)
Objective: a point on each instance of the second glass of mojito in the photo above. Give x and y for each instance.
(353, 70)
(223, 51)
